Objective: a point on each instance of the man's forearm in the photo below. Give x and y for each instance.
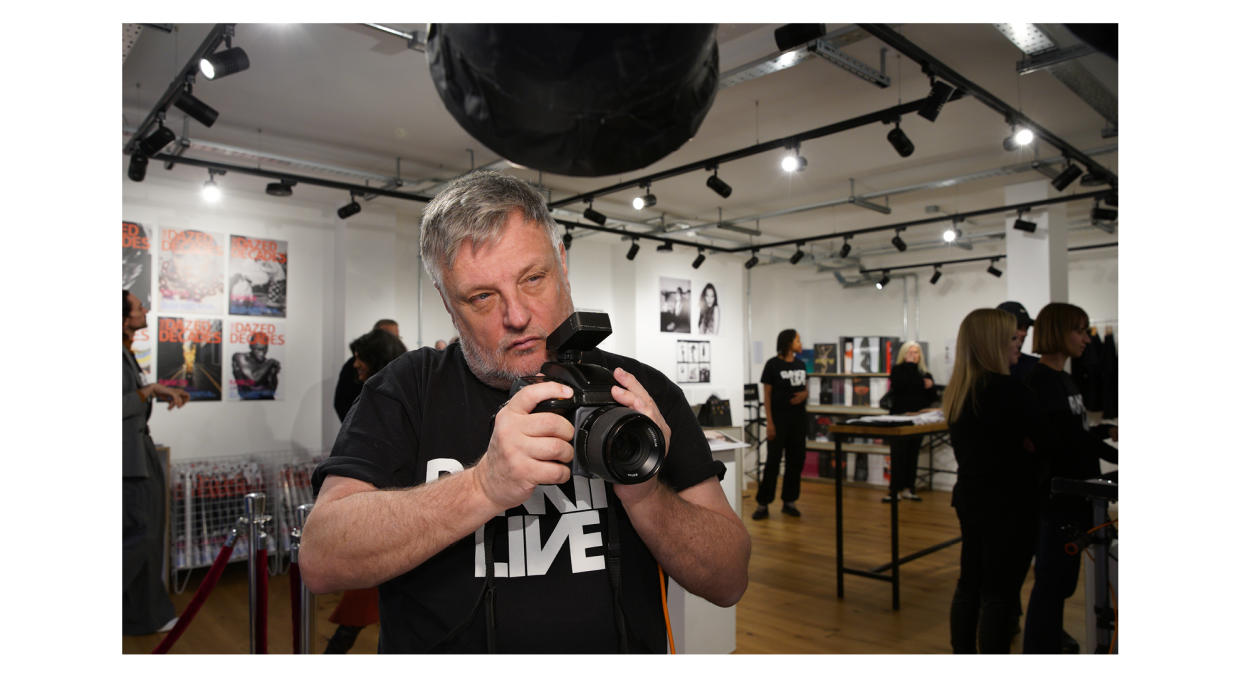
(707, 552)
(368, 537)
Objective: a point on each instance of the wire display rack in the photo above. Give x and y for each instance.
(208, 497)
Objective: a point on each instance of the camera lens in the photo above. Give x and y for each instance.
(622, 445)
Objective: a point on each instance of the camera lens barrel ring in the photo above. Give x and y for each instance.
(621, 445)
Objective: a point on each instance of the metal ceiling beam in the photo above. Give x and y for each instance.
(974, 259)
(934, 66)
(308, 180)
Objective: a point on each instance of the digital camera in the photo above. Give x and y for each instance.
(610, 441)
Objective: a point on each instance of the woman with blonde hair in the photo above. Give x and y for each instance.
(912, 389)
(991, 422)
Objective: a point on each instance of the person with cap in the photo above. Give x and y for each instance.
(1025, 362)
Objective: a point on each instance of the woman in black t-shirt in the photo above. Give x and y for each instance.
(911, 389)
(991, 422)
(784, 396)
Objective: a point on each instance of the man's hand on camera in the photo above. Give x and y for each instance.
(526, 449)
(630, 393)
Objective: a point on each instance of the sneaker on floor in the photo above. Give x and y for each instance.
(167, 627)
(761, 513)
(888, 498)
(790, 509)
(911, 496)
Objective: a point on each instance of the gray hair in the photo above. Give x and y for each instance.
(475, 207)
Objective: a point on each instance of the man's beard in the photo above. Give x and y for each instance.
(489, 367)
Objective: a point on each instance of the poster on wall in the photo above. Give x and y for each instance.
(255, 355)
(708, 310)
(141, 348)
(693, 361)
(825, 358)
(188, 355)
(191, 272)
(674, 297)
(258, 272)
(136, 261)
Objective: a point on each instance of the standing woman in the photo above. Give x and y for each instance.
(357, 609)
(991, 421)
(784, 397)
(912, 390)
(708, 311)
(1072, 450)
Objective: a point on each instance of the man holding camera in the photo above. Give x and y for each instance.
(457, 499)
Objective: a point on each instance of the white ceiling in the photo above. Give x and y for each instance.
(353, 97)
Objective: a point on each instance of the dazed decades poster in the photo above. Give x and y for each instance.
(257, 276)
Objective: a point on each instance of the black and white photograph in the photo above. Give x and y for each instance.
(708, 310)
(258, 272)
(256, 352)
(693, 361)
(136, 260)
(674, 302)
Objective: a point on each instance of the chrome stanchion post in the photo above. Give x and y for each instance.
(306, 623)
(255, 517)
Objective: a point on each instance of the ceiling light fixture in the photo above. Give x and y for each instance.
(793, 161)
(883, 282)
(157, 139)
(715, 183)
(797, 255)
(951, 234)
(845, 248)
(643, 201)
(1023, 224)
(936, 275)
(567, 238)
(195, 108)
(592, 215)
(633, 250)
(1064, 178)
(350, 209)
(898, 242)
(211, 190)
(1020, 138)
(993, 270)
(699, 259)
(137, 166)
(940, 93)
(904, 147)
(665, 247)
(1100, 213)
(281, 188)
(753, 261)
(226, 62)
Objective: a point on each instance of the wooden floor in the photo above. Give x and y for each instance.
(790, 607)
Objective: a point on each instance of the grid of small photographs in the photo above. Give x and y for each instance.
(693, 361)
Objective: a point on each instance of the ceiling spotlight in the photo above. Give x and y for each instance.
(643, 201)
(904, 147)
(793, 161)
(1064, 178)
(350, 209)
(940, 92)
(592, 215)
(845, 248)
(715, 183)
(211, 190)
(567, 239)
(951, 234)
(993, 270)
(665, 247)
(898, 242)
(797, 255)
(883, 282)
(633, 250)
(196, 109)
(936, 275)
(699, 259)
(1020, 138)
(156, 140)
(1102, 213)
(281, 188)
(227, 62)
(137, 166)
(1091, 179)
(1023, 224)
(753, 261)
(1111, 199)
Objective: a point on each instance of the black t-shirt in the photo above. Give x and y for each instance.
(348, 387)
(426, 414)
(785, 379)
(1068, 448)
(994, 469)
(909, 392)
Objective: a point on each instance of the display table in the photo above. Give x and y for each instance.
(887, 433)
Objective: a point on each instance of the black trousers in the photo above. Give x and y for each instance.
(789, 442)
(146, 605)
(995, 547)
(905, 462)
(1055, 578)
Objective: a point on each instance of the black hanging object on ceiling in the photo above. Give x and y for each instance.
(578, 100)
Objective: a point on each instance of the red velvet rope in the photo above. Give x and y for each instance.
(261, 612)
(295, 601)
(204, 589)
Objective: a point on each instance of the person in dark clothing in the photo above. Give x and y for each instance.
(991, 422)
(359, 608)
(784, 398)
(1024, 362)
(912, 389)
(348, 387)
(1071, 450)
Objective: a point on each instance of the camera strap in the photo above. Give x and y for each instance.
(612, 561)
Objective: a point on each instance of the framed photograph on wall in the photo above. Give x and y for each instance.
(674, 301)
(693, 361)
(256, 351)
(708, 310)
